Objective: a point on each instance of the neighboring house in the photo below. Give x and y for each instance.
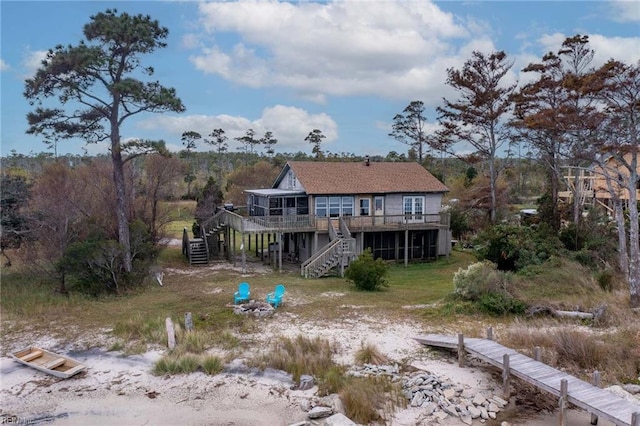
(325, 213)
(590, 185)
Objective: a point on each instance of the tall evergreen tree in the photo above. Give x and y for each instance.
(97, 88)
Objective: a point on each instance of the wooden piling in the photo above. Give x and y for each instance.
(171, 333)
(461, 350)
(188, 321)
(490, 333)
(506, 377)
(595, 382)
(537, 353)
(564, 388)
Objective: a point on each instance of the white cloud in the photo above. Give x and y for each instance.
(32, 61)
(290, 125)
(4, 66)
(397, 50)
(625, 11)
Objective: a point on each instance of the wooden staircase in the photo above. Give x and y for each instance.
(339, 252)
(210, 242)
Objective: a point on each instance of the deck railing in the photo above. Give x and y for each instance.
(301, 223)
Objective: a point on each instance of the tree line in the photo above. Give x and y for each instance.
(570, 114)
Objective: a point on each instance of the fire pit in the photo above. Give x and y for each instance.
(258, 309)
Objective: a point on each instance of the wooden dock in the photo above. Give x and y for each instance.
(599, 402)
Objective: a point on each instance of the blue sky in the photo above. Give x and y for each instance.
(344, 67)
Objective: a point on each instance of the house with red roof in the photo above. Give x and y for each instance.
(324, 214)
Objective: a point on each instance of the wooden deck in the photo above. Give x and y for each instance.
(592, 399)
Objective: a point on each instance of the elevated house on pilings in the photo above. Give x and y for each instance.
(590, 186)
(324, 214)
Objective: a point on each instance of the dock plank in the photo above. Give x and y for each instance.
(592, 399)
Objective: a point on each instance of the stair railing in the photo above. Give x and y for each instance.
(321, 256)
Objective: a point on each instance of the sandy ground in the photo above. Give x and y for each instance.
(118, 390)
(121, 390)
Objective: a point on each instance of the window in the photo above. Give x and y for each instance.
(364, 206)
(321, 206)
(275, 206)
(334, 206)
(347, 206)
(293, 182)
(302, 205)
(379, 205)
(413, 208)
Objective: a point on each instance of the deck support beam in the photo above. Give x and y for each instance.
(506, 377)
(406, 247)
(595, 382)
(462, 353)
(564, 390)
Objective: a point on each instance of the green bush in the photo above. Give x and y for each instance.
(96, 264)
(486, 287)
(512, 248)
(500, 304)
(367, 273)
(477, 279)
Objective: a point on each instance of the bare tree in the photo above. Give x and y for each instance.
(554, 113)
(620, 142)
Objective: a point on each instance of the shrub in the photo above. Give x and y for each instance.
(512, 248)
(478, 279)
(298, 356)
(499, 304)
(485, 286)
(211, 365)
(368, 399)
(332, 381)
(366, 273)
(369, 354)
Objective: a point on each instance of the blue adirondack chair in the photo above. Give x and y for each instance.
(275, 298)
(243, 293)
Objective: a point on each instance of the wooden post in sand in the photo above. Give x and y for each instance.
(188, 321)
(596, 383)
(506, 377)
(564, 388)
(461, 350)
(536, 353)
(171, 333)
(490, 333)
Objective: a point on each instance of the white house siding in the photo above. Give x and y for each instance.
(433, 203)
(285, 183)
(393, 204)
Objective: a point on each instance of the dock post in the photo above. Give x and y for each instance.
(506, 377)
(564, 385)
(596, 383)
(635, 419)
(188, 321)
(490, 333)
(536, 353)
(171, 334)
(461, 350)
